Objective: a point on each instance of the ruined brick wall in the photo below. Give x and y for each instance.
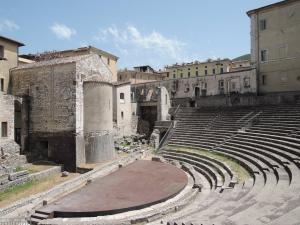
(51, 91)
(54, 90)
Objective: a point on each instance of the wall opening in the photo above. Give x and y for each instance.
(122, 98)
(42, 147)
(197, 91)
(18, 122)
(147, 118)
(1, 52)
(4, 129)
(122, 115)
(2, 84)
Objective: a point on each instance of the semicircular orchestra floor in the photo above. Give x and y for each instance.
(138, 185)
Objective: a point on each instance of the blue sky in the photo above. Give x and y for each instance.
(140, 32)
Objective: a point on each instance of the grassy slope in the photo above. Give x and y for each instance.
(30, 188)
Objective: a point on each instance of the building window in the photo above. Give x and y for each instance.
(166, 99)
(4, 129)
(263, 24)
(233, 86)
(197, 74)
(214, 71)
(221, 85)
(122, 98)
(246, 82)
(263, 55)
(189, 74)
(221, 70)
(196, 68)
(174, 76)
(1, 51)
(263, 79)
(1, 84)
(189, 68)
(181, 75)
(205, 72)
(122, 115)
(108, 61)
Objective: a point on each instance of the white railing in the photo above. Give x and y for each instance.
(171, 127)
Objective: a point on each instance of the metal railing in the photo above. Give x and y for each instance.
(248, 123)
(171, 127)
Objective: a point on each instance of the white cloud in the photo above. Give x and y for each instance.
(62, 31)
(131, 37)
(8, 25)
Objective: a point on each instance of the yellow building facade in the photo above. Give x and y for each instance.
(8, 59)
(196, 69)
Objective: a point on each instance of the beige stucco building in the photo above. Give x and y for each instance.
(9, 128)
(9, 50)
(122, 112)
(275, 48)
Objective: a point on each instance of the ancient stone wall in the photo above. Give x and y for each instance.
(7, 115)
(51, 93)
(54, 101)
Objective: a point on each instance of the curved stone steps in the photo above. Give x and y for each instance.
(282, 158)
(268, 160)
(199, 137)
(268, 142)
(252, 169)
(291, 154)
(283, 139)
(230, 207)
(226, 178)
(215, 178)
(195, 144)
(220, 163)
(256, 166)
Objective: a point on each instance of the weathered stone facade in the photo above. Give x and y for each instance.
(54, 90)
(242, 82)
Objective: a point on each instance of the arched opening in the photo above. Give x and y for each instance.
(197, 92)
